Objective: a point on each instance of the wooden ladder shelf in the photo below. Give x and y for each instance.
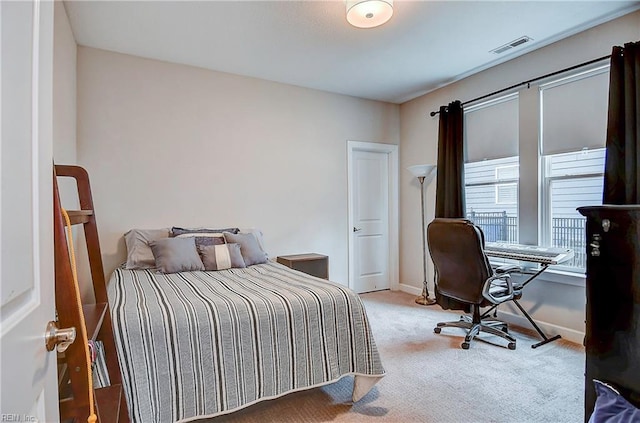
(73, 378)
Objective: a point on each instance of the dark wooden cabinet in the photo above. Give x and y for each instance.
(612, 336)
(312, 264)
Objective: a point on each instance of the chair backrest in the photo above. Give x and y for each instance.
(457, 250)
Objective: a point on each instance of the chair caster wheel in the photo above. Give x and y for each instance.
(465, 345)
(437, 330)
(511, 345)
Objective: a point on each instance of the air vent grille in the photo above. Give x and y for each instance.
(515, 43)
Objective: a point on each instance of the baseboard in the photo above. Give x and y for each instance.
(549, 329)
(413, 290)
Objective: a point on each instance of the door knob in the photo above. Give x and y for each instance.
(356, 229)
(60, 339)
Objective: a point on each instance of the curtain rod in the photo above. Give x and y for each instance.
(531, 80)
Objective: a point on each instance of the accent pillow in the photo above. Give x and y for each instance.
(259, 236)
(611, 407)
(176, 255)
(139, 254)
(251, 251)
(203, 236)
(220, 257)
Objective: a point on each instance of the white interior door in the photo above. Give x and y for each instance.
(370, 220)
(28, 390)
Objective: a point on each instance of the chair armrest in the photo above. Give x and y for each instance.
(498, 288)
(508, 268)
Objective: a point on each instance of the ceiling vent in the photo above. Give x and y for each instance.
(512, 44)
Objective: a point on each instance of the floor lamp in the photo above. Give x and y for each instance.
(423, 172)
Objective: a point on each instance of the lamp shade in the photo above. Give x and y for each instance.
(369, 13)
(421, 170)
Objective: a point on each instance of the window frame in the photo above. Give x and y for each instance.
(497, 182)
(545, 229)
(535, 181)
(505, 185)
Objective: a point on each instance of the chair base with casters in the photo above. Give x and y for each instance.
(475, 325)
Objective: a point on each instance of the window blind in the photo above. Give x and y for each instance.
(491, 130)
(574, 114)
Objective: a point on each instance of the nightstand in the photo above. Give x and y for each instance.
(313, 264)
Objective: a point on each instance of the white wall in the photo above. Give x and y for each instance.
(559, 305)
(168, 144)
(64, 91)
(64, 127)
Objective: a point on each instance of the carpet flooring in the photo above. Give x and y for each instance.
(431, 379)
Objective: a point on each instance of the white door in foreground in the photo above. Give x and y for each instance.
(28, 391)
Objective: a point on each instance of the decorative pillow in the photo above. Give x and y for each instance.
(259, 237)
(611, 407)
(220, 257)
(249, 247)
(139, 255)
(203, 236)
(176, 255)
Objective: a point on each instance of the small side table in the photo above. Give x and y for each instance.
(312, 264)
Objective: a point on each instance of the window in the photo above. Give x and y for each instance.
(573, 121)
(507, 192)
(491, 167)
(534, 156)
(572, 180)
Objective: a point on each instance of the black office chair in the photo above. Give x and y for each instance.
(463, 273)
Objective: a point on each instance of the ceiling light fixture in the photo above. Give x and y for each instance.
(369, 13)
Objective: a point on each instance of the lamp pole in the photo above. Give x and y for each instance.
(424, 298)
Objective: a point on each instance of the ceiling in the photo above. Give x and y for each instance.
(425, 45)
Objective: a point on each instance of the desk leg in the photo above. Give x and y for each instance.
(545, 339)
(535, 275)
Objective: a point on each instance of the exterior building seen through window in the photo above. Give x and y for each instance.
(572, 117)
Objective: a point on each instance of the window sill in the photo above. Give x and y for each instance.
(567, 278)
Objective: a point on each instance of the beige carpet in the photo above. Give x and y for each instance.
(431, 379)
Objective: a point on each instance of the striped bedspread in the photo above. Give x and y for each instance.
(198, 344)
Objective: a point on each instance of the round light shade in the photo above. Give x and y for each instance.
(369, 13)
(421, 170)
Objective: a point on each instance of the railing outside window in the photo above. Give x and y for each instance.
(569, 232)
(497, 226)
(566, 232)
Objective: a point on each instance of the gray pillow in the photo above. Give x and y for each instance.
(176, 255)
(251, 251)
(220, 257)
(258, 234)
(139, 255)
(204, 236)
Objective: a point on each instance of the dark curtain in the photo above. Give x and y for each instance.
(450, 182)
(622, 165)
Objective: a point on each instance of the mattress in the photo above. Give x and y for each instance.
(201, 344)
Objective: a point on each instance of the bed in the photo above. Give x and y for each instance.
(205, 343)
